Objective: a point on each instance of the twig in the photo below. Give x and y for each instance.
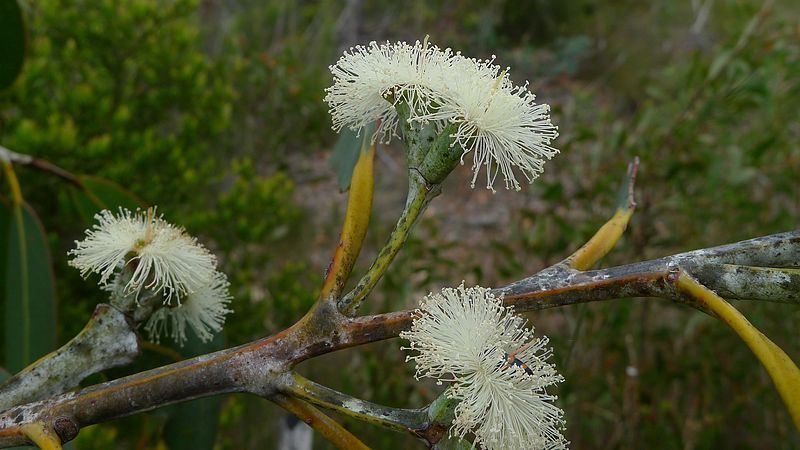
(419, 195)
(7, 155)
(406, 420)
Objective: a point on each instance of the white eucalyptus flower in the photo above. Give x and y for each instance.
(367, 75)
(162, 257)
(498, 371)
(203, 310)
(498, 122)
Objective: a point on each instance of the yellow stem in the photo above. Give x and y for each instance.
(783, 371)
(42, 436)
(354, 229)
(602, 242)
(13, 183)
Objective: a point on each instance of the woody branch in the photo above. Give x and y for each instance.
(264, 367)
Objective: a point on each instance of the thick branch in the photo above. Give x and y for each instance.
(109, 339)
(561, 286)
(250, 368)
(747, 282)
(260, 367)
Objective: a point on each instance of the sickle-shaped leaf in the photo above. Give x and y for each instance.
(28, 288)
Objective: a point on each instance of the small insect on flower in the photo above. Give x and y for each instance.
(512, 360)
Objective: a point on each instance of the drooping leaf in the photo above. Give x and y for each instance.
(12, 42)
(28, 289)
(102, 194)
(346, 153)
(193, 425)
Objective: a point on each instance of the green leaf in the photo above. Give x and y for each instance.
(5, 223)
(102, 194)
(193, 425)
(12, 42)
(28, 291)
(346, 153)
(720, 61)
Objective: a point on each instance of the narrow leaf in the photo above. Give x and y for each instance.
(28, 290)
(12, 42)
(346, 153)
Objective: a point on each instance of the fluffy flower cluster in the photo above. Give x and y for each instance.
(498, 370)
(152, 254)
(498, 122)
(204, 310)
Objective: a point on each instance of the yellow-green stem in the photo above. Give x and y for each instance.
(42, 436)
(393, 418)
(419, 194)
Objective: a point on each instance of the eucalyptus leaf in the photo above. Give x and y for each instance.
(346, 152)
(28, 291)
(12, 42)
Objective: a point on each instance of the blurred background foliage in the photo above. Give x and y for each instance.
(213, 111)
